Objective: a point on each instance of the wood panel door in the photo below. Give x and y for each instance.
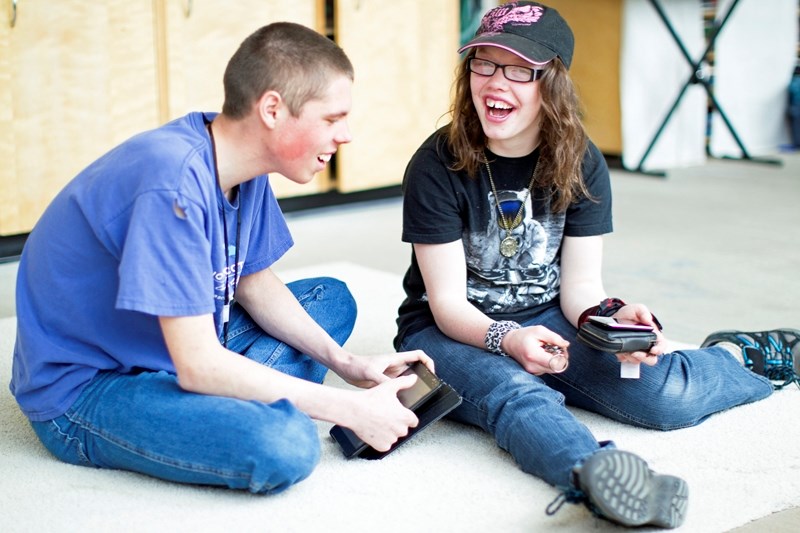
(76, 78)
(201, 36)
(595, 69)
(404, 54)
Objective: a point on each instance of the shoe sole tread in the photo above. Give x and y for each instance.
(623, 489)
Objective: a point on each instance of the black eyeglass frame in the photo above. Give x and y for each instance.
(535, 73)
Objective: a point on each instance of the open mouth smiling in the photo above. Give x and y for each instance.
(498, 109)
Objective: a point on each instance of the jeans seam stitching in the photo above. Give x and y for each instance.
(130, 448)
(80, 448)
(623, 414)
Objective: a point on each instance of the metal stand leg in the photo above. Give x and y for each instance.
(697, 76)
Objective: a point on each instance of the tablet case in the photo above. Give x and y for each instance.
(438, 405)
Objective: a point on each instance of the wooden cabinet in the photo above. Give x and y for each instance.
(200, 36)
(80, 76)
(76, 78)
(404, 54)
(595, 68)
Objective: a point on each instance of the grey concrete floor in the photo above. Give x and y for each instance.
(708, 247)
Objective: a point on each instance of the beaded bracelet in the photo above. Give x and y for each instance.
(495, 334)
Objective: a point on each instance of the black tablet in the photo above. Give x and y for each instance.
(427, 383)
(430, 398)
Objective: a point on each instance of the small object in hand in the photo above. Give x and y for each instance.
(629, 370)
(559, 362)
(553, 349)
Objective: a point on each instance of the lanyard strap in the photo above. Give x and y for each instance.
(228, 293)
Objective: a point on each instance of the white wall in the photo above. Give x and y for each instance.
(755, 56)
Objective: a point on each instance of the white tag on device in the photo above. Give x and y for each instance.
(629, 370)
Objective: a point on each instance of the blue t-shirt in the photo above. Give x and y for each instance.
(136, 235)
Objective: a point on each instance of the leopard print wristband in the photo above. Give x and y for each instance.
(495, 334)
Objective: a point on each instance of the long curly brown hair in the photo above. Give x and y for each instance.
(563, 138)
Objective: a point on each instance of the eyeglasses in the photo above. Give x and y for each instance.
(484, 67)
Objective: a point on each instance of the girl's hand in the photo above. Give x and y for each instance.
(640, 314)
(537, 349)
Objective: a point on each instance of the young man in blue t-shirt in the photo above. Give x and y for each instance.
(152, 334)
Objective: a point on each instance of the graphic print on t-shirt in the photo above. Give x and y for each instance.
(531, 276)
(229, 275)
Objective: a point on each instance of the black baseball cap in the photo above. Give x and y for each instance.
(532, 31)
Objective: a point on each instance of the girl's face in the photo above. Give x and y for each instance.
(508, 110)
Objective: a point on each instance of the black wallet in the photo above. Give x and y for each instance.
(608, 335)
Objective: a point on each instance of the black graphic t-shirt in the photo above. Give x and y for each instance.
(442, 206)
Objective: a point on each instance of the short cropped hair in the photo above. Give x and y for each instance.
(291, 59)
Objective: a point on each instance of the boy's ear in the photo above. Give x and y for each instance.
(269, 106)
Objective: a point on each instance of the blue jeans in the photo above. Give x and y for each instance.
(146, 423)
(526, 414)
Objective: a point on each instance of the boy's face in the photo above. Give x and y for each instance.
(307, 142)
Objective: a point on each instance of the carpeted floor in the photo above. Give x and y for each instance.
(740, 465)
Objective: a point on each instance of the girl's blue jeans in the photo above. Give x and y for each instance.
(146, 423)
(526, 414)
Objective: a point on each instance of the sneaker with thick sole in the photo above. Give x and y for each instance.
(774, 354)
(620, 487)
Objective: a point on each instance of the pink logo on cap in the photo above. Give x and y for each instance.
(494, 21)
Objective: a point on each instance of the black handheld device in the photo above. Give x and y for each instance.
(611, 324)
(427, 383)
(430, 398)
(608, 335)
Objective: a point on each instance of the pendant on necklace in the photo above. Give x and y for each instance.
(509, 246)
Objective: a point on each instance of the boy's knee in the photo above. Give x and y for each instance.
(338, 292)
(284, 454)
(338, 312)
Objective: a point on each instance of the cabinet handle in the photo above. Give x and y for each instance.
(13, 13)
(187, 10)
